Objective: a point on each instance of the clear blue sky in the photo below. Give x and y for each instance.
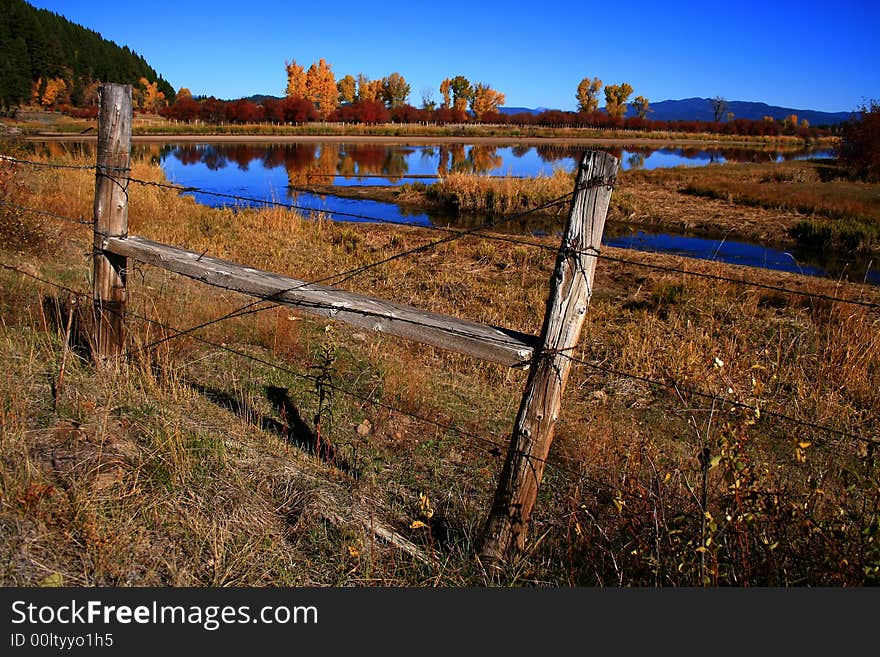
(803, 55)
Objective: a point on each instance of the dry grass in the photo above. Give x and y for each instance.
(182, 466)
(821, 207)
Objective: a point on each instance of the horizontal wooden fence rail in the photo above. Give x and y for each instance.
(489, 343)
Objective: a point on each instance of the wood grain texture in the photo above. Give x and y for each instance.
(111, 216)
(570, 291)
(481, 341)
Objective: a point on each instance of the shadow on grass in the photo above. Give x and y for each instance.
(291, 427)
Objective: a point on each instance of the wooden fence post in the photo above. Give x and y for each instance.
(570, 291)
(111, 217)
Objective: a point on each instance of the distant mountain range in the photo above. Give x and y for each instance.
(700, 109)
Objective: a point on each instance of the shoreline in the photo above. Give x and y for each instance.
(429, 140)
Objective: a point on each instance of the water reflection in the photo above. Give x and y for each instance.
(364, 164)
(803, 261)
(353, 163)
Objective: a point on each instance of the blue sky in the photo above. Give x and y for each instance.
(803, 55)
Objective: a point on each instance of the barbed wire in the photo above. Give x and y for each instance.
(730, 279)
(342, 277)
(45, 213)
(408, 176)
(494, 444)
(294, 206)
(753, 408)
(48, 165)
(287, 370)
(478, 231)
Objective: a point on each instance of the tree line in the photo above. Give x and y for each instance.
(314, 94)
(48, 61)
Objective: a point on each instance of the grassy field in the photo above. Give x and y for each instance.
(191, 464)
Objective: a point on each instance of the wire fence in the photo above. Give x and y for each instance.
(479, 231)
(451, 235)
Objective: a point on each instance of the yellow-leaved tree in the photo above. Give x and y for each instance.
(148, 97)
(485, 99)
(55, 92)
(347, 88)
(369, 90)
(296, 80)
(395, 90)
(321, 88)
(588, 94)
(616, 96)
(642, 106)
(445, 88)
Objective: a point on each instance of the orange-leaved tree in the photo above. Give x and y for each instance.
(296, 80)
(368, 90)
(321, 88)
(485, 100)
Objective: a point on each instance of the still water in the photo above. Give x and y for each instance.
(379, 164)
(272, 173)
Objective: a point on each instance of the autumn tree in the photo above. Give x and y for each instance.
(719, 105)
(148, 97)
(445, 91)
(641, 106)
(296, 80)
(588, 94)
(347, 88)
(462, 92)
(321, 88)
(616, 96)
(860, 143)
(485, 100)
(55, 92)
(368, 90)
(183, 92)
(395, 90)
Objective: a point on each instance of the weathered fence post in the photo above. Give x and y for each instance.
(570, 291)
(111, 217)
